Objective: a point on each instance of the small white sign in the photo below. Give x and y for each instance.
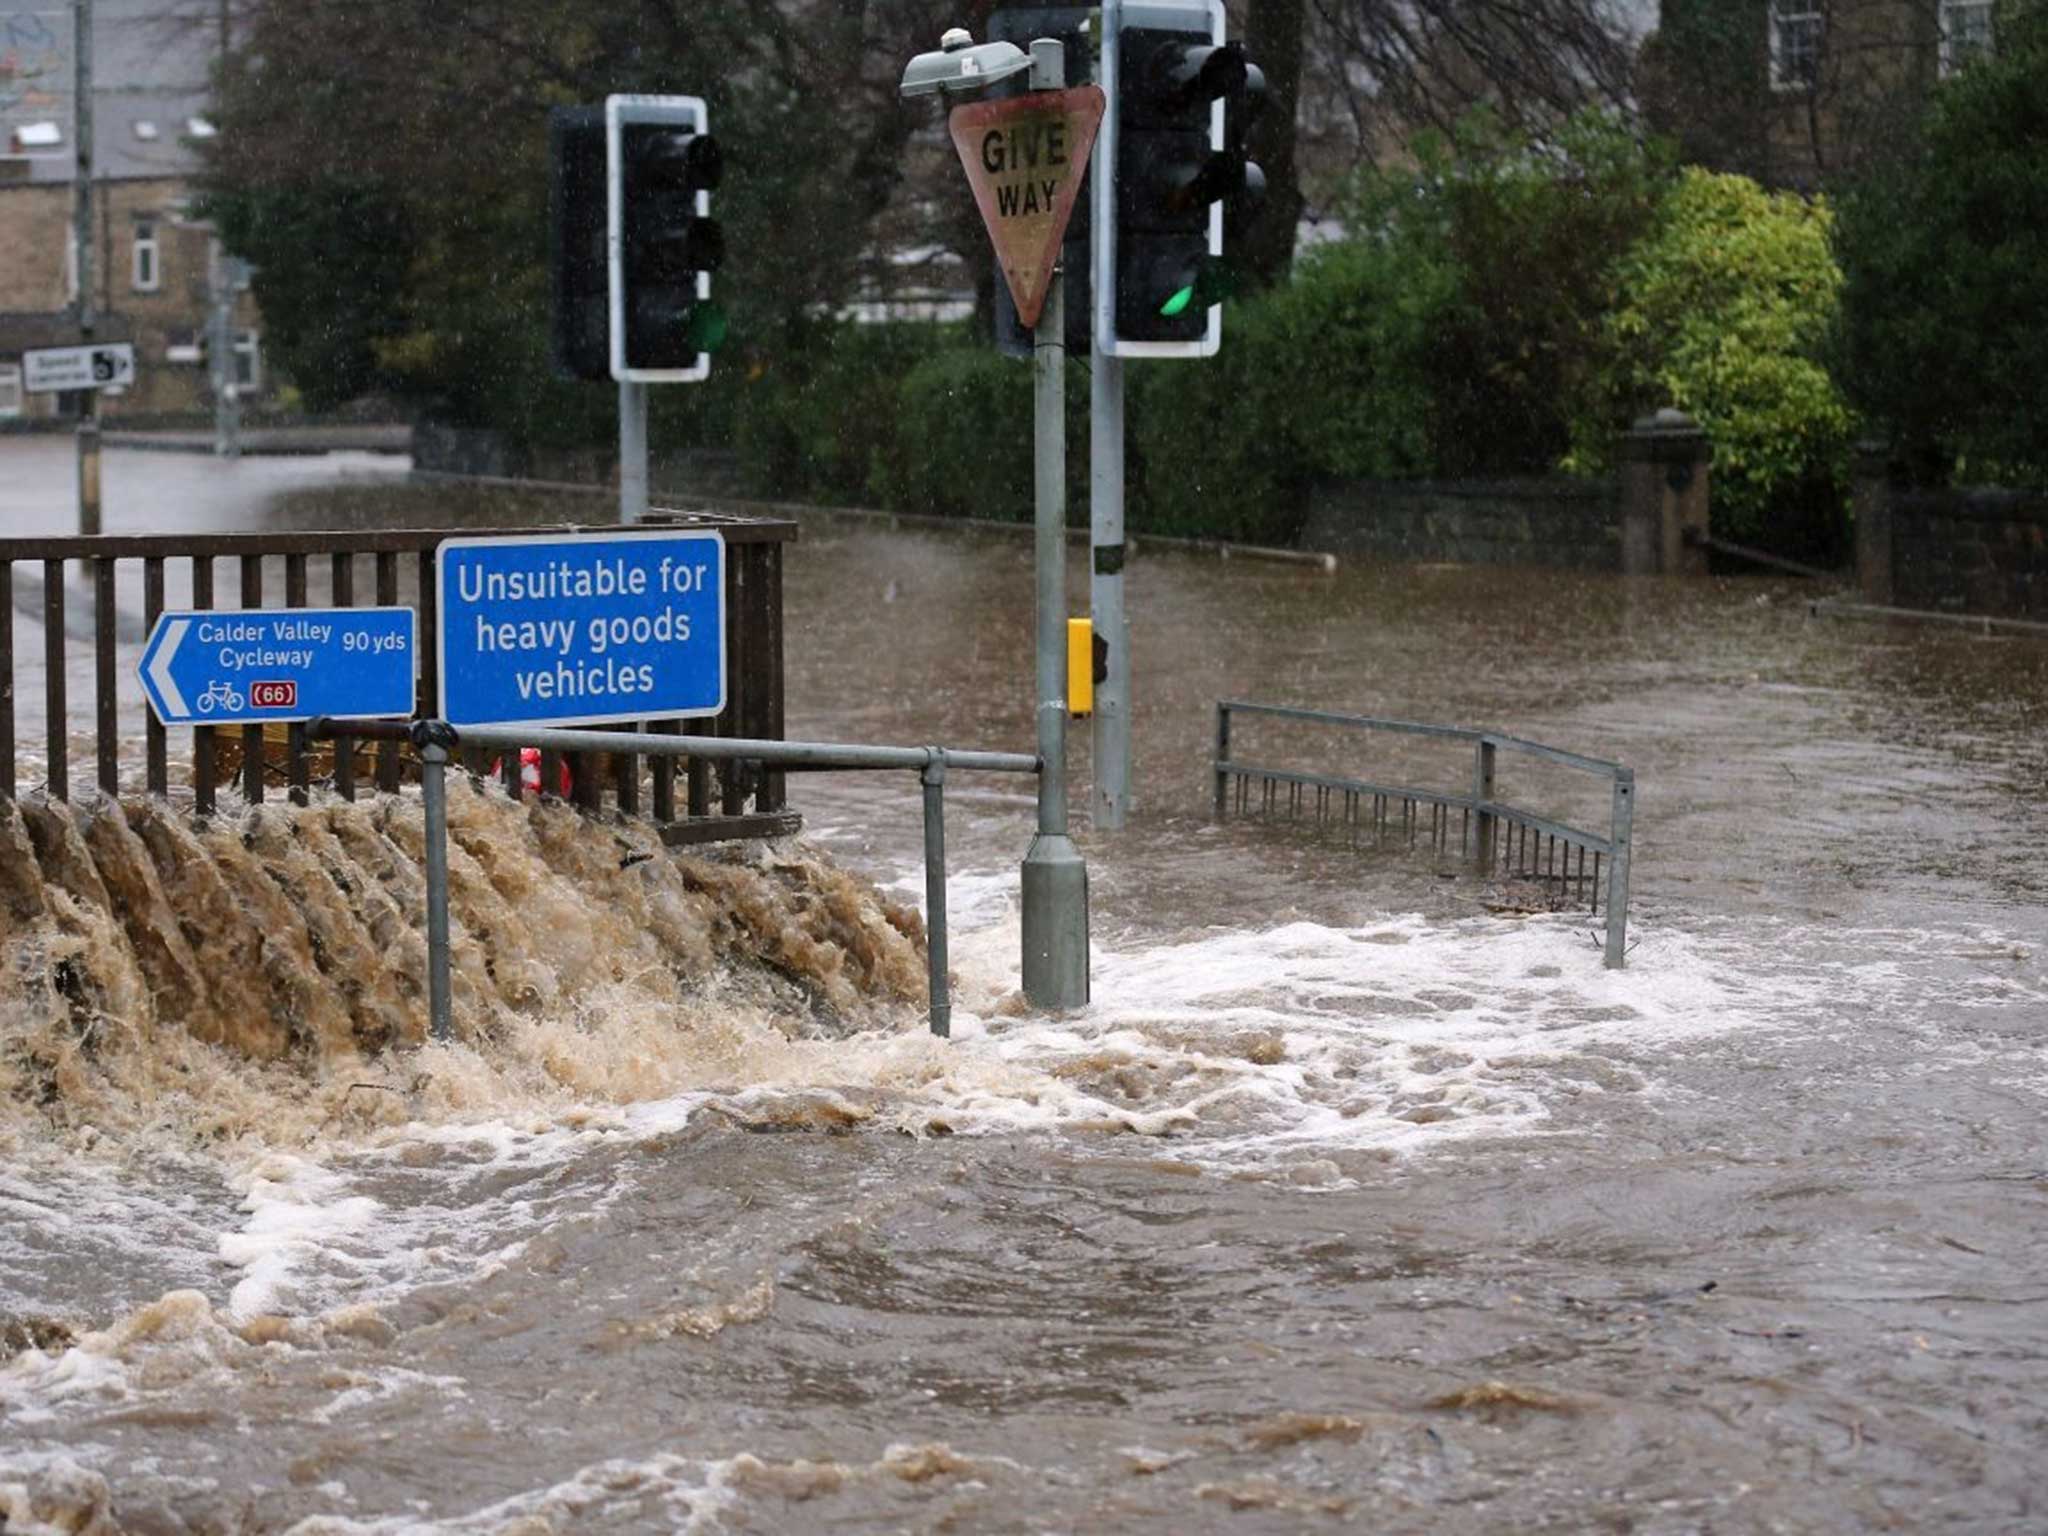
(47, 369)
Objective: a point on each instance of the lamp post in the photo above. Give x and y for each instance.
(1055, 878)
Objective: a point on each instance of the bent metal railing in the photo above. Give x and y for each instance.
(438, 741)
(84, 581)
(1495, 836)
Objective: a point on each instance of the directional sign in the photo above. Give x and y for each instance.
(1024, 158)
(46, 369)
(553, 630)
(230, 666)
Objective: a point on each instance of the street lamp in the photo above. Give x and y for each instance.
(1055, 880)
(961, 65)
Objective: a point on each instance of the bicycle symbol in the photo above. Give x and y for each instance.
(220, 696)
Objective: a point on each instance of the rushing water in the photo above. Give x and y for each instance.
(1353, 1200)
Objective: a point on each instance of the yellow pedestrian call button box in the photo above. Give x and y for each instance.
(1087, 664)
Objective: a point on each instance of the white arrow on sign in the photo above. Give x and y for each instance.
(160, 669)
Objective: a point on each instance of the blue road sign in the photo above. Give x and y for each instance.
(233, 666)
(551, 630)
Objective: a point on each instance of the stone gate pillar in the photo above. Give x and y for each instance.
(1870, 503)
(1664, 493)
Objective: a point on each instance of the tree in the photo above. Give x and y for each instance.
(1724, 311)
(1384, 70)
(1511, 235)
(1944, 329)
(433, 124)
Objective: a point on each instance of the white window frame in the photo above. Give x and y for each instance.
(147, 266)
(13, 402)
(247, 347)
(1784, 15)
(1953, 58)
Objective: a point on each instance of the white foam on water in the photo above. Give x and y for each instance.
(1270, 1053)
(684, 1493)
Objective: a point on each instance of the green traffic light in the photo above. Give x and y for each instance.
(706, 326)
(1180, 300)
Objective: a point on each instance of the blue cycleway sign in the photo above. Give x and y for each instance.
(554, 630)
(249, 666)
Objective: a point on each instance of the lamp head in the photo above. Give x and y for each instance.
(961, 65)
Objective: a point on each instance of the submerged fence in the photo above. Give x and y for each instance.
(1493, 835)
(88, 639)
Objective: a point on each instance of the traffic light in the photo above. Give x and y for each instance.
(1071, 24)
(579, 284)
(662, 165)
(1183, 99)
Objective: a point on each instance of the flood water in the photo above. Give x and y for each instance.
(1350, 1202)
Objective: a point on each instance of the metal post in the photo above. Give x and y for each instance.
(632, 452)
(1112, 724)
(1617, 868)
(1482, 798)
(434, 737)
(1222, 757)
(1112, 727)
(82, 235)
(933, 778)
(1055, 879)
(227, 407)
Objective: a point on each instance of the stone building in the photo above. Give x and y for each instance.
(156, 265)
(1799, 93)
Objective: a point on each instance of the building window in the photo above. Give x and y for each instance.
(1795, 44)
(248, 363)
(148, 258)
(1965, 33)
(10, 391)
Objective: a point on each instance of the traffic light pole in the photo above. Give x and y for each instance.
(83, 244)
(1112, 722)
(632, 452)
(1055, 878)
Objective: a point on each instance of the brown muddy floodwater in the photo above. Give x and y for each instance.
(1350, 1202)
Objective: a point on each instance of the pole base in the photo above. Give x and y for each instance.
(1055, 923)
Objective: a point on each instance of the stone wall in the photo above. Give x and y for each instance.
(1973, 550)
(480, 451)
(1536, 521)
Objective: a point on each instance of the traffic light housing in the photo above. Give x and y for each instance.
(1071, 25)
(579, 282)
(1182, 98)
(662, 164)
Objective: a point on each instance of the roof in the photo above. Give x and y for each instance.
(152, 60)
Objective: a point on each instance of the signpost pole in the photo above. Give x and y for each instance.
(227, 279)
(81, 234)
(1112, 721)
(1055, 878)
(632, 452)
(433, 737)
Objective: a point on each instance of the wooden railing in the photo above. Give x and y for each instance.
(328, 569)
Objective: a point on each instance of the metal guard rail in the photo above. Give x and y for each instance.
(437, 741)
(1485, 817)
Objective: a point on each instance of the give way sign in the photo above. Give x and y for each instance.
(1024, 159)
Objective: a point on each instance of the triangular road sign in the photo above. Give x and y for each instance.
(1024, 158)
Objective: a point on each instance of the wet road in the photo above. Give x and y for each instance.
(1349, 1203)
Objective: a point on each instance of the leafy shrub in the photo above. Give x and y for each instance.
(1487, 274)
(1723, 310)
